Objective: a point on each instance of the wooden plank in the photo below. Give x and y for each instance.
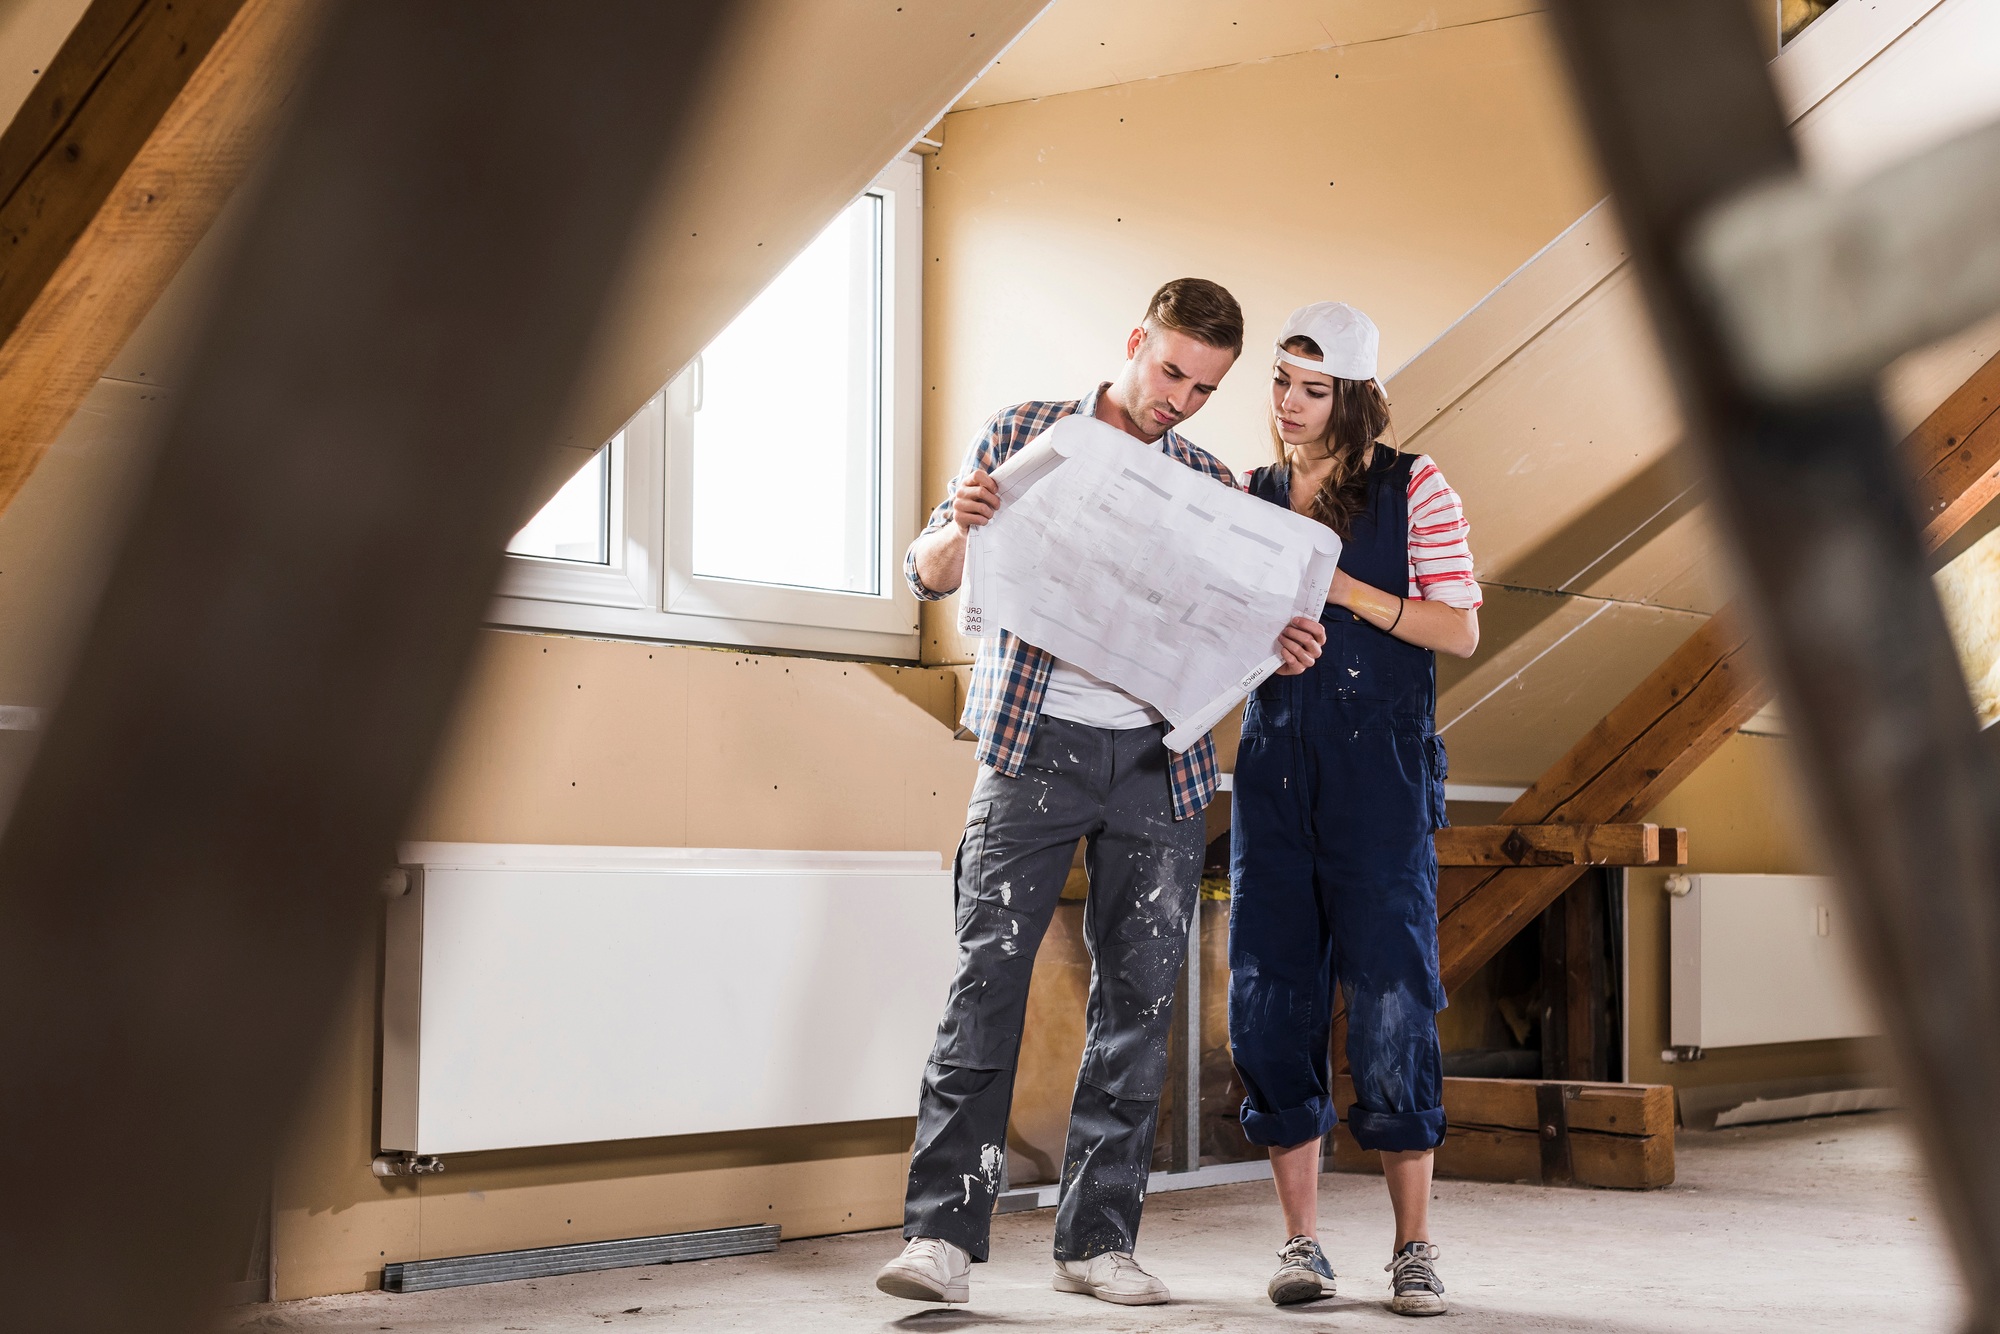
(115, 166)
(1509, 1104)
(1548, 845)
(1479, 1153)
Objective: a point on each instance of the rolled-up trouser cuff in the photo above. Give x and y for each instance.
(1397, 1132)
(1294, 1125)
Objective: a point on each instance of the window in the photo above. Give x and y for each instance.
(765, 496)
(576, 525)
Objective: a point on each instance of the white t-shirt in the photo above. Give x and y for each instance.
(1078, 697)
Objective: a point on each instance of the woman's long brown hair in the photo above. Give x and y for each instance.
(1360, 415)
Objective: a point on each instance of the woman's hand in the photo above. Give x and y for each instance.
(1299, 644)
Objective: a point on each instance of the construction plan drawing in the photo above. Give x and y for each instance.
(1143, 572)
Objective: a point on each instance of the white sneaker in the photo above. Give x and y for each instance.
(929, 1270)
(1303, 1274)
(1112, 1277)
(1418, 1289)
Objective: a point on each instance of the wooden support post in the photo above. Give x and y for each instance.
(187, 882)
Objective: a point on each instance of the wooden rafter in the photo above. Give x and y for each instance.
(112, 170)
(1681, 714)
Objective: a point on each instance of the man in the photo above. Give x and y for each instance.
(1064, 756)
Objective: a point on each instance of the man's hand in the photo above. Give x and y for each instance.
(975, 501)
(1299, 645)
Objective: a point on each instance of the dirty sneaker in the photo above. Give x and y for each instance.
(928, 1270)
(1418, 1289)
(1112, 1277)
(1303, 1274)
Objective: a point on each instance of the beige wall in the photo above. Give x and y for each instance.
(1742, 812)
(1409, 176)
(564, 740)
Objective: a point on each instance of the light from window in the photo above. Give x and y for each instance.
(786, 422)
(576, 525)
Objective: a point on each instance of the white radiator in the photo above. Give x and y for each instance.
(562, 995)
(1763, 958)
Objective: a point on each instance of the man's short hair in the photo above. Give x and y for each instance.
(1200, 309)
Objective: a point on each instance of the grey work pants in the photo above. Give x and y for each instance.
(1108, 788)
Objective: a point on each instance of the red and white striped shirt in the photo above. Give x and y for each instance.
(1440, 558)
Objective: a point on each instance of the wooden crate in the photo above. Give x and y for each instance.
(1547, 1132)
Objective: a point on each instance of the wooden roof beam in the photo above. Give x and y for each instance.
(112, 170)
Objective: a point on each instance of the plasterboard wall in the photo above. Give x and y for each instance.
(1743, 812)
(564, 740)
(1409, 176)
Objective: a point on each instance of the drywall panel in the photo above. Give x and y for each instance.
(1519, 710)
(1682, 565)
(1079, 44)
(563, 740)
(1409, 176)
(1558, 276)
(1558, 430)
(1939, 78)
(786, 753)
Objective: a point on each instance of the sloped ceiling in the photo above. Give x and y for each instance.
(1549, 408)
(809, 102)
(1082, 44)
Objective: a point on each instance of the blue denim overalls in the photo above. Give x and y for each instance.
(1339, 785)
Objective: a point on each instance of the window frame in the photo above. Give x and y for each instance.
(651, 592)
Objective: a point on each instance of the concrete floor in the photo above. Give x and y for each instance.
(1807, 1226)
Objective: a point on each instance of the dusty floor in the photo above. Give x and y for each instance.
(1814, 1225)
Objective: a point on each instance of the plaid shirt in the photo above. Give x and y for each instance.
(1009, 679)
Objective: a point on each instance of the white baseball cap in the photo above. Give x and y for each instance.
(1348, 338)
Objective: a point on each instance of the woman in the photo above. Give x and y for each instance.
(1339, 784)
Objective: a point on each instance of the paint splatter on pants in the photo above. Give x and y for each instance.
(1336, 877)
(1108, 788)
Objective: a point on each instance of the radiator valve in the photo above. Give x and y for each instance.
(407, 1164)
(1680, 886)
(1681, 1055)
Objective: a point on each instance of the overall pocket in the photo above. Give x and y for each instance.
(1440, 769)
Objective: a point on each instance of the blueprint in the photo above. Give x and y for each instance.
(1143, 572)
